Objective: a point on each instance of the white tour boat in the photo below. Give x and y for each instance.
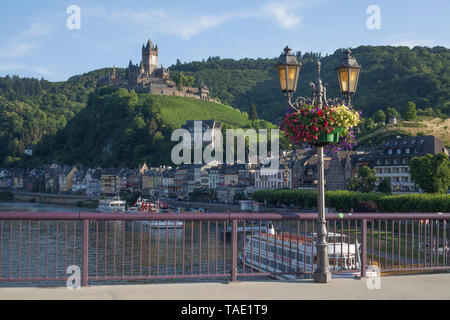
(111, 205)
(249, 226)
(270, 250)
(145, 206)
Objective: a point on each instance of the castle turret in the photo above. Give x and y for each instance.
(203, 90)
(149, 58)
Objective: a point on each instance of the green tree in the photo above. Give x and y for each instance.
(369, 124)
(431, 173)
(253, 114)
(365, 182)
(354, 185)
(392, 112)
(385, 186)
(379, 116)
(410, 112)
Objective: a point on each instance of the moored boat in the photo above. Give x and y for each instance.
(296, 254)
(148, 207)
(250, 226)
(111, 205)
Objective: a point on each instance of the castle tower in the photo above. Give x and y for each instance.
(114, 77)
(149, 58)
(203, 90)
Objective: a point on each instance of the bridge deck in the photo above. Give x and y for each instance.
(430, 286)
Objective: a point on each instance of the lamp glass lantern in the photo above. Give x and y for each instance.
(348, 74)
(288, 71)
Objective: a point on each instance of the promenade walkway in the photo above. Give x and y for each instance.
(431, 286)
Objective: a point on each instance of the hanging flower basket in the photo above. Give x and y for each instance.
(332, 137)
(327, 125)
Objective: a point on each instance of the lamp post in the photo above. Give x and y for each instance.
(348, 73)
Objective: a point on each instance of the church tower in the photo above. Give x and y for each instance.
(149, 58)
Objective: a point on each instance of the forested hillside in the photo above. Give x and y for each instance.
(123, 128)
(391, 77)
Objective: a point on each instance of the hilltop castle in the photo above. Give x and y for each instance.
(147, 77)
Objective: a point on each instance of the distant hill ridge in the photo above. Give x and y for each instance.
(391, 77)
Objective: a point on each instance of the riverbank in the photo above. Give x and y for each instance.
(40, 207)
(53, 198)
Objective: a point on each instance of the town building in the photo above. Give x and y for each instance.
(29, 149)
(391, 160)
(110, 182)
(266, 178)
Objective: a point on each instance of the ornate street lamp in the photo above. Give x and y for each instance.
(288, 70)
(348, 69)
(348, 74)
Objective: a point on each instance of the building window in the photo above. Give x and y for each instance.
(386, 161)
(408, 150)
(378, 161)
(399, 151)
(390, 151)
(416, 150)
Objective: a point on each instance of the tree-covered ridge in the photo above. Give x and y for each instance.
(32, 108)
(123, 128)
(391, 77)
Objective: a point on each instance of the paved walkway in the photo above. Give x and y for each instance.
(436, 286)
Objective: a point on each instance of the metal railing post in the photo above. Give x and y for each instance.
(85, 270)
(234, 250)
(364, 249)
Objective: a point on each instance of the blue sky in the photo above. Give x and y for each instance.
(35, 41)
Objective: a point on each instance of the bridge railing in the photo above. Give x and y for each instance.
(46, 248)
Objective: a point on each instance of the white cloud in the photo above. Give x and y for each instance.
(16, 50)
(12, 67)
(411, 40)
(282, 14)
(412, 43)
(187, 27)
(160, 21)
(24, 43)
(36, 29)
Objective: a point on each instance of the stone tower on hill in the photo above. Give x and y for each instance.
(149, 58)
(149, 78)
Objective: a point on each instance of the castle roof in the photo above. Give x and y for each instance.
(150, 45)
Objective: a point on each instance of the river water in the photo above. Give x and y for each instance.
(46, 249)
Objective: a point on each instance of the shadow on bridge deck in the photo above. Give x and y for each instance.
(430, 286)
